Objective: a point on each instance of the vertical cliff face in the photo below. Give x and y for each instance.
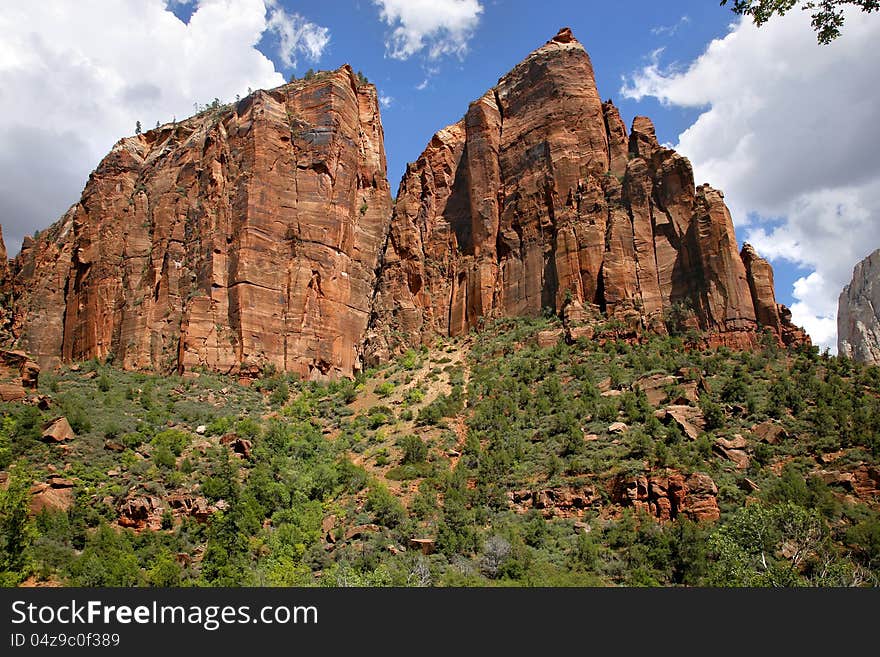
(538, 198)
(5, 295)
(246, 236)
(858, 313)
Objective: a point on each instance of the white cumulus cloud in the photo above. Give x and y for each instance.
(437, 27)
(296, 35)
(76, 76)
(788, 130)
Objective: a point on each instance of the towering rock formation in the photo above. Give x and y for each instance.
(246, 236)
(769, 313)
(858, 313)
(537, 199)
(261, 234)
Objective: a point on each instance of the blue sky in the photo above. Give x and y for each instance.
(786, 128)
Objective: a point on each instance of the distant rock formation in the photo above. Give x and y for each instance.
(858, 313)
(261, 234)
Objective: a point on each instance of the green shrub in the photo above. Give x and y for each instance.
(415, 450)
(73, 407)
(108, 559)
(163, 456)
(386, 509)
(219, 426)
(171, 439)
(280, 394)
(248, 428)
(415, 396)
(384, 389)
(443, 406)
(410, 360)
(714, 414)
(104, 383)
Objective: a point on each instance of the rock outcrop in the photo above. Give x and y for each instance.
(858, 313)
(668, 495)
(261, 234)
(18, 375)
(58, 431)
(244, 237)
(538, 199)
(55, 494)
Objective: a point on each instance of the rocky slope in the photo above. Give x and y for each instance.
(538, 198)
(505, 459)
(262, 235)
(858, 321)
(245, 236)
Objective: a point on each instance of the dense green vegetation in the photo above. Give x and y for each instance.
(427, 471)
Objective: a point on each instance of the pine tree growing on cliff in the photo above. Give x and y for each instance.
(137, 128)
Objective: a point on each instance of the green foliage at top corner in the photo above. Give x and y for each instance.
(827, 15)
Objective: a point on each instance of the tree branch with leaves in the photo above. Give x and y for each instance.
(828, 15)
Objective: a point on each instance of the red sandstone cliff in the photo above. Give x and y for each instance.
(245, 236)
(262, 233)
(538, 198)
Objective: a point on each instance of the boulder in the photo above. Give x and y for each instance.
(360, 531)
(734, 450)
(141, 512)
(10, 392)
(192, 505)
(688, 418)
(55, 494)
(770, 432)
(549, 338)
(425, 545)
(240, 446)
(654, 386)
(17, 370)
(58, 431)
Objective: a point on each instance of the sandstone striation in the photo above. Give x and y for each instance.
(858, 313)
(247, 236)
(539, 199)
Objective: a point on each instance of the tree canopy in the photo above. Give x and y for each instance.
(827, 14)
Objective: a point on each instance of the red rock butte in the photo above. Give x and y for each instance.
(263, 233)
